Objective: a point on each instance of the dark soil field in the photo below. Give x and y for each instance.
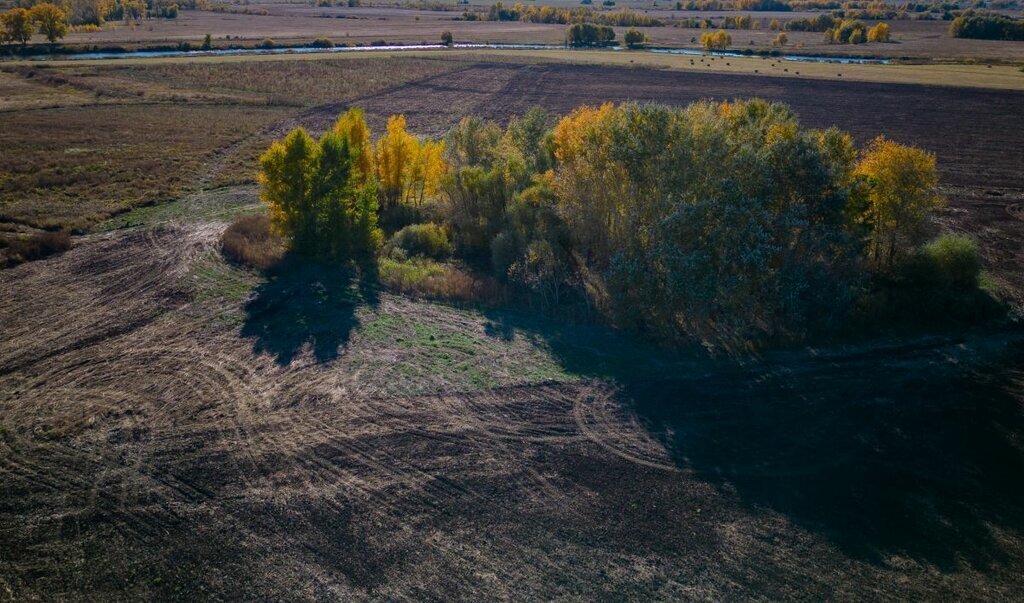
(164, 438)
(175, 427)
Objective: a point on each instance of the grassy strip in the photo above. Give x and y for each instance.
(1007, 77)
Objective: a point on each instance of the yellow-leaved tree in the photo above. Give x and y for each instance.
(720, 40)
(16, 26)
(51, 21)
(902, 191)
(428, 168)
(322, 194)
(409, 170)
(879, 33)
(590, 185)
(352, 125)
(396, 151)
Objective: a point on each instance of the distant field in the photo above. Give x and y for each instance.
(68, 168)
(957, 75)
(297, 23)
(945, 74)
(85, 142)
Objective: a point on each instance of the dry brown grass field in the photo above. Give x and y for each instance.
(176, 427)
(84, 143)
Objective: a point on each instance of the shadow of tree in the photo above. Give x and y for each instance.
(305, 304)
(900, 451)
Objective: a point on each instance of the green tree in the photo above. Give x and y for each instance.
(318, 197)
(589, 34)
(635, 38)
(17, 26)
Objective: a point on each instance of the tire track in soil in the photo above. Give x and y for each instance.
(114, 342)
(595, 417)
(104, 288)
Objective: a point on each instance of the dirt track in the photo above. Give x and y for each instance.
(154, 447)
(161, 436)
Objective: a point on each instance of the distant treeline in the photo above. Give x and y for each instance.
(96, 12)
(853, 9)
(564, 16)
(987, 27)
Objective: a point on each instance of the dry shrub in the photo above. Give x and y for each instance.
(33, 247)
(250, 241)
(433, 280)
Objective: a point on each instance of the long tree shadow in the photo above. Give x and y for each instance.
(900, 451)
(307, 305)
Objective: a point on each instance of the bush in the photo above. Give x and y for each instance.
(426, 278)
(939, 285)
(950, 261)
(34, 247)
(635, 38)
(249, 240)
(267, 43)
(323, 43)
(421, 240)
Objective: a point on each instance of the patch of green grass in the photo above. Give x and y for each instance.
(438, 346)
(221, 205)
(382, 327)
(219, 285)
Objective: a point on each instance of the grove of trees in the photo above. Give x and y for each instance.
(728, 223)
(322, 195)
(987, 27)
(17, 25)
(720, 40)
(588, 34)
(552, 14)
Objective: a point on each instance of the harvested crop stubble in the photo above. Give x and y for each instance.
(69, 168)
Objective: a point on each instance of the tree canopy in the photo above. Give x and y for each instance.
(727, 222)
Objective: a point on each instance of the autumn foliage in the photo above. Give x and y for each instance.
(902, 192)
(720, 40)
(728, 222)
(320, 197)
